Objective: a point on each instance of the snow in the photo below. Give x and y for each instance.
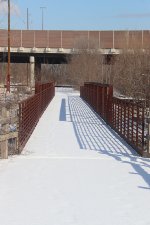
(74, 170)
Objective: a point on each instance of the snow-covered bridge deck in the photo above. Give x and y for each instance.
(74, 170)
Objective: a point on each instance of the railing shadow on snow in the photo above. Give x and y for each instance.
(94, 134)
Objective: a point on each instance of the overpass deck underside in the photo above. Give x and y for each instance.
(45, 55)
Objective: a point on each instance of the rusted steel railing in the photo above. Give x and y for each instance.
(31, 109)
(128, 120)
(99, 97)
(125, 116)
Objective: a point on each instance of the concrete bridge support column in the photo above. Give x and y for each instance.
(32, 73)
(37, 71)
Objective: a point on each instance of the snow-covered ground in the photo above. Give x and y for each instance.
(74, 170)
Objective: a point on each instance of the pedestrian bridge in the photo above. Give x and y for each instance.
(74, 170)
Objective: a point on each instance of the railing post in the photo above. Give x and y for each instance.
(148, 136)
(109, 103)
(97, 100)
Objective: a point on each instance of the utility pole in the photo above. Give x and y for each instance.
(42, 16)
(8, 66)
(27, 19)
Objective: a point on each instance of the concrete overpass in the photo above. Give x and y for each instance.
(48, 46)
(56, 46)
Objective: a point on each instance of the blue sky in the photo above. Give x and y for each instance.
(78, 14)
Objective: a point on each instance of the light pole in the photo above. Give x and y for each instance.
(27, 19)
(42, 7)
(8, 66)
(8, 42)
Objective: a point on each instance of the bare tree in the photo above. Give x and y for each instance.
(130, 73)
